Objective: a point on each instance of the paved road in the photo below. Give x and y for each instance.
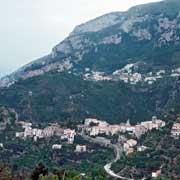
(118, 152)
(108, 170)
(117, 149)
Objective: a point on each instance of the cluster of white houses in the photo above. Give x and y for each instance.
(78, 148)
(53, 130)
(96, 127)
(130, 145)
(175, 131)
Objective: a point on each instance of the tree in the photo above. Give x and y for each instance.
(61, 174)
(5, 173)
(39, 171)
(52, 177)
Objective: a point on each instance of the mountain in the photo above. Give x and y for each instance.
(118, 66)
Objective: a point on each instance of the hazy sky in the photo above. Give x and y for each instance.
(30, 28)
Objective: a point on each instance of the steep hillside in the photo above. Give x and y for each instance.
(8, 117)
(162, 153)
(118, 66)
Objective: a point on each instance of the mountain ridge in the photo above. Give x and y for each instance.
(73, 48)
(131, 67)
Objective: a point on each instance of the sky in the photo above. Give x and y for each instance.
(29, 29)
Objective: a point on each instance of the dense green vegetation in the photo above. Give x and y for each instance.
(22, 154)
(41, 172)
(66, 98)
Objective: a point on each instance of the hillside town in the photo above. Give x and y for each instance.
(50, 131)
(54, 129)
(121, 139)
(99, 131)
(130, 74)
(96, 129)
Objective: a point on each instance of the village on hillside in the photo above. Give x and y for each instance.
(122, 138)
(93, 128)
(85, 138)
(130, 74)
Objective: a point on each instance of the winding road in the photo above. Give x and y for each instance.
(117, 149)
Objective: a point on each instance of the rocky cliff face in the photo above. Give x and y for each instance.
(112, 41)
(123, 65)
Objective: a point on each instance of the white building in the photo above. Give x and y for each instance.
(126, 147)
(56, 146)
(88, 122)
(19, 134)
(131, 142)
(129, 146)
(28, 132)
(107, 130)
(139, 130)
(135, 78)
(38, 133)
(24, 124)
(48, 131)
(175, 131)
(148, 125)
(1, 145)
(156, 174)
(150, 80)
(35, 138)
(160, 72)
(80, 148)
(70, 135)
(141, 148)
(153, 124)
(130, 128)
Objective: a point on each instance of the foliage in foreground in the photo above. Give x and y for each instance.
(40, 172)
